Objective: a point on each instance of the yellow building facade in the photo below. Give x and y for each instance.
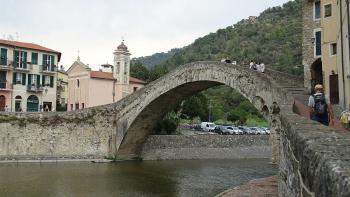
(343, 59)
(62, 89)
(329, 16)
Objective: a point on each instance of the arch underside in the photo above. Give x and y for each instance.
(154, 112)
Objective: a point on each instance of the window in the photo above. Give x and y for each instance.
(76, 106)
(3, 56)
(317, 10)
(333, 48)
(118, 68)
(328, 10)
(46, 80)
(20, 59)
(48, 60)
(318, 47)
(63, 101)
(78, 83)
(19, 78)
(126, 68)
(34, 58)
(135, 88)
(71, 107)
(33, 80)
(82, 105)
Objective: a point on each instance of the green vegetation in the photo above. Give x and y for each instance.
(155, 59)
(273, 38)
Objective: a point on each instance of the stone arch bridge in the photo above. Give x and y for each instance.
(313, 160)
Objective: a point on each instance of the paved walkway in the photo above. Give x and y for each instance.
(265, 187)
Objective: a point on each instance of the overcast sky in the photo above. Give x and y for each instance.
(96, 27)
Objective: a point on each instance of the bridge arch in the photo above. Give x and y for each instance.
(162, 95)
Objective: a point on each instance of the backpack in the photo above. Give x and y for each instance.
(254, 67)
(320, 107)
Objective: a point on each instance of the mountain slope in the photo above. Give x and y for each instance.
(273, 38)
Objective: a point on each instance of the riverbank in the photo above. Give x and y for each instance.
(259, 187)
(172, 147)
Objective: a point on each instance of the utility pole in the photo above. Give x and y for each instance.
(209, 118)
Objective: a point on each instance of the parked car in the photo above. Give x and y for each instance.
(254, 131)
(237, 131)
(244, 129)
(267, 130)
(228, 131)
(219, 129)
(207, 126)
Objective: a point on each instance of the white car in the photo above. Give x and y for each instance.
(208, 126)
(237, 131)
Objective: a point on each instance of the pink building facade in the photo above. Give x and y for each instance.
(87, 88)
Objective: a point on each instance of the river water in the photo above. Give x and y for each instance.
(141, 178)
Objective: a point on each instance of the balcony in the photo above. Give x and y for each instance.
(22, 66)
(5, 86)
(34, 88)
(5, 64)
(48, 69)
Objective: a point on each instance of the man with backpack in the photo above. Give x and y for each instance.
(321, 109)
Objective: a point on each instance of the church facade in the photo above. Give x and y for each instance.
(87, 88)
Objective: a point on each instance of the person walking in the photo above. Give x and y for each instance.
(251, 64)
(321, 109)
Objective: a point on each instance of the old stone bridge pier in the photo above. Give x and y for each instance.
(313, 160)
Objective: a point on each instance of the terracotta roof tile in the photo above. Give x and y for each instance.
(26, 45)
(135, 80)
(101, 75)
(107, 75)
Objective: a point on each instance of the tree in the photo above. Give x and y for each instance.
(139, 71)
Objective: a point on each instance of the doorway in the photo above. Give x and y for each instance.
(32, 104)
(47, 106)
(334, 89)
(18, 101)
(2, 103)
(316, 74)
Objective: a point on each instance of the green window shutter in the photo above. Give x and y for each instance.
(14, 78)
(34, 58)
(44, 59)
(43, 80)
(38, 80)
(15, 58)
(23, 79)
(25, 60)
(52, 60)
(29, 79)
(3, 56)
(51, 81)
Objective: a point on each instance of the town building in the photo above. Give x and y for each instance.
(319, 46)
(27, 76)
(62, 89)
(326, 58)
(87, 88)
(311, 43)
(343, 51)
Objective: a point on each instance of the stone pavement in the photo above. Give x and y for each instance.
(264, 187)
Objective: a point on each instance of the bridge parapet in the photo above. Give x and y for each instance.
(314, 159)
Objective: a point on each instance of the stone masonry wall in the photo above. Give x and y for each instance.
(314, 159)
(309, 24)
(163, 147)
